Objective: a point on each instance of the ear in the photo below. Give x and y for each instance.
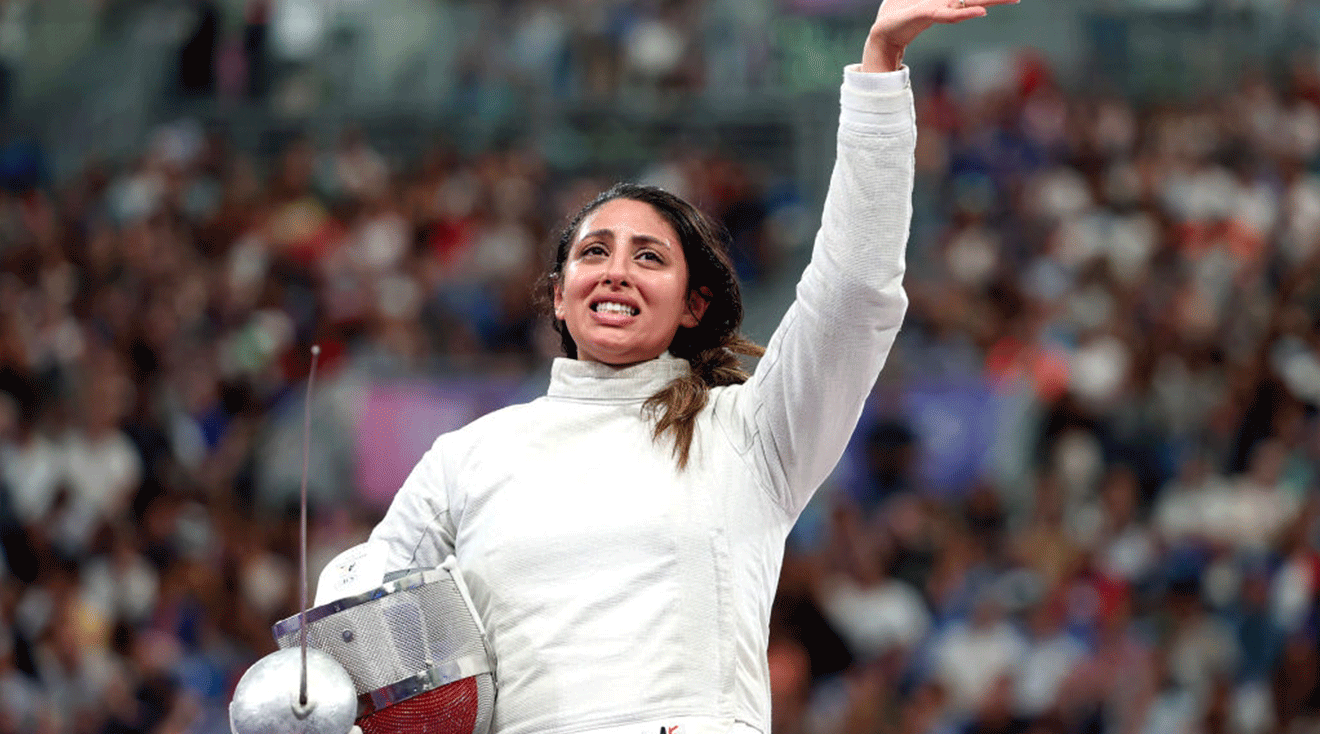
(698, 300)
(559, 300)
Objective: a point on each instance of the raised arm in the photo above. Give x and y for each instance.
(803, 402)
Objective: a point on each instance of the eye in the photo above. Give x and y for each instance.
(593, 249)
(650, 256)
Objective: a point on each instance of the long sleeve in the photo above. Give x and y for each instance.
(821, 363)
(418, 527)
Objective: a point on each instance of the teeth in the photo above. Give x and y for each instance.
(615, 308)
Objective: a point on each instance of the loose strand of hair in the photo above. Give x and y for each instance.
(676, 406)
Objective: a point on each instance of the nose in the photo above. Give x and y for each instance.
(617, 268)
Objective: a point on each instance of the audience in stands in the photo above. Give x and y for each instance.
(1128, 296)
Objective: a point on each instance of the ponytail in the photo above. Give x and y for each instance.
(676, 406)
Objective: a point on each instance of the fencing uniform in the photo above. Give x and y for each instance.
(621, 594)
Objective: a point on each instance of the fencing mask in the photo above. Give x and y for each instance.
(411, 642)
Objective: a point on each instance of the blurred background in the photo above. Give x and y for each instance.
(1083, 496)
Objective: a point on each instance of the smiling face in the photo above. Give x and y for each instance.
(623, 291)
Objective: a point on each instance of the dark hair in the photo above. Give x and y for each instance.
(713, 345)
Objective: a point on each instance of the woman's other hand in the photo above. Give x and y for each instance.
(898, 22)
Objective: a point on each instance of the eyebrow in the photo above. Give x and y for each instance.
(609, 233)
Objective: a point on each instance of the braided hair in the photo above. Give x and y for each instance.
(713, 346)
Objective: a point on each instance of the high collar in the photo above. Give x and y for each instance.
(580, 380)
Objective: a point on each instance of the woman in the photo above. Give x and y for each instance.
(622, 535)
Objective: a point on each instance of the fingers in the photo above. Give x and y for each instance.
(955, 14)
(960, 10)
(978, 6)
(959, 14)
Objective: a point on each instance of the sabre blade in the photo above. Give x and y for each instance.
(264, 702)
(302, 553)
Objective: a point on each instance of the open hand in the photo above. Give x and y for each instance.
(898, 22)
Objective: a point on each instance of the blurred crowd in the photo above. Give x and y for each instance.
(1142, 280)
(1143, 283)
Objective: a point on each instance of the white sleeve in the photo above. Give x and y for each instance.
(418, 528)
(800, 407)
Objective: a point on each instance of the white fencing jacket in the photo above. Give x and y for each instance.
(624, 595)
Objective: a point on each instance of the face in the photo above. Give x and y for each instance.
(623, 292)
